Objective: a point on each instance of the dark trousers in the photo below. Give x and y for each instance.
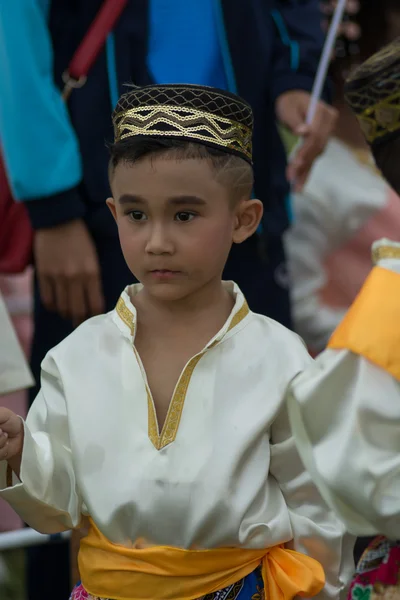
(263, 280)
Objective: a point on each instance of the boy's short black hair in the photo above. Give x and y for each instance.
(231, 170)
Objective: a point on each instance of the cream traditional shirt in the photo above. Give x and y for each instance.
(345, 415)
(224, 470)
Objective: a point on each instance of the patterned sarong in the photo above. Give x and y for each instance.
(248, 588)
(378, 572)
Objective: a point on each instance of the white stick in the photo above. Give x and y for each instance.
(322, 70)
(325, 60)
(28, 537)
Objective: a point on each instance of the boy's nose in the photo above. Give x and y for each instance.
(159, 241)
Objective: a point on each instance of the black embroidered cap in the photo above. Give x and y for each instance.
(373, 93)
(194, 113)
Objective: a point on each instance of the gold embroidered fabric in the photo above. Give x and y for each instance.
(153, 432)
(194, 113)
(373, 92)
(174, 414)
(125, 315)
(384, 252)
(175, 409)
(239, 316)
(185, 123)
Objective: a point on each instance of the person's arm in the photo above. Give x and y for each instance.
(38, 142)
(345, 408)
(43, 489)
(315, 529)
(298, 45)
(43, 163)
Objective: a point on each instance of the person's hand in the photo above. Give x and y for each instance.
(68, 271)
(291, 110)
(11, 438)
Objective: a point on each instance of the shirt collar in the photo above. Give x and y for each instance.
(125, 316)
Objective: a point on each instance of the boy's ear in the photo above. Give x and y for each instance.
(248, 217)
(111, 205)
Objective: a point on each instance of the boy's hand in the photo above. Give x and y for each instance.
(11, 437)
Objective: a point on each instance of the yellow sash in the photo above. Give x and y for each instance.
(371, 326)
(163, 573)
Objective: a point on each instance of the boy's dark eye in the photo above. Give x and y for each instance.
(184, 216)
(137, 215)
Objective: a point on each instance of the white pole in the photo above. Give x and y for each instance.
(325, 60)
(322, 70)
(28, 537)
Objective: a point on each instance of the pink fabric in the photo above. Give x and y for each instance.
(347, 267)
(16, 291)
(79, 593)
(378, 572)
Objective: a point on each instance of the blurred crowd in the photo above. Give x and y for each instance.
(56, 159)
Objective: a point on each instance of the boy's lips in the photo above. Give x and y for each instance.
(164, 273)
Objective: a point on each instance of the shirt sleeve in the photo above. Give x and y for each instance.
(317, 532)
(39, 145)
(298, 44)
(345, 410)
(46, 496)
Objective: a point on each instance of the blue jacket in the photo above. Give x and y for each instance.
(56, 156)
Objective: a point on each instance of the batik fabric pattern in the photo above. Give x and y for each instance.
(378, 572)
(248, 588)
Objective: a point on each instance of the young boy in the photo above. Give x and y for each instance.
(353, 448)
(163, 421)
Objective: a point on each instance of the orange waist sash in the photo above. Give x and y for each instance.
(164, 573)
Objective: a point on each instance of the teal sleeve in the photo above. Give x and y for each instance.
(39, 145)
(298, 44)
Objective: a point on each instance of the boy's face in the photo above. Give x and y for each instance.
(177, 223)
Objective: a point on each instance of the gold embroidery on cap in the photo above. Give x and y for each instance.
(184, 122)
(380, 119)
(373, 92)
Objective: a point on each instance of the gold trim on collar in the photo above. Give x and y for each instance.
(175, 409)
(185, 122)
(240, 315)
(126, 315)
(384, 252)
(174, 414)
